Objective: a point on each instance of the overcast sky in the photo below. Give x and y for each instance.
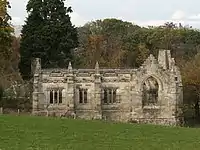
(142, 12)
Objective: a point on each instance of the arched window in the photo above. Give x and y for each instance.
(150, 91)
(109, 96)
(83, 96)
(55, 96)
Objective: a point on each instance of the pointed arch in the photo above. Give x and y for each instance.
(160, 83)
(150, 89)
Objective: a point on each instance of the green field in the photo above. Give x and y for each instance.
(40, 133)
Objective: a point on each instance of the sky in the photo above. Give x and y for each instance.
(141, 12)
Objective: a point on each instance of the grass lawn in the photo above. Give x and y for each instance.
(41, 133)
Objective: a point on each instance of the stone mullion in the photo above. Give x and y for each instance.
(104, 96)
(111, 96)
(108, 96)
(60, 94)
(83, 98)
(114, 95)
(48, 97)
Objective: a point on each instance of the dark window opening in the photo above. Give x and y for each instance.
(85, 96)
(105, 98)
(51, 97)
(80, 96)
(114, 96)
(55, 97)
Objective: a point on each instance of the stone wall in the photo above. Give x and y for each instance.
(149, 94)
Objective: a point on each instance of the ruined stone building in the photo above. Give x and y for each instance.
(150, 94)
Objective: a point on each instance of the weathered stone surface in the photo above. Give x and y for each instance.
(149, 94)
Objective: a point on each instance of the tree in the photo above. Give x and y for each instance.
(142, 54)
(5, 30)
(107, 41)
(48, 34)
(6, 38)
(191, 78)
(15, 57)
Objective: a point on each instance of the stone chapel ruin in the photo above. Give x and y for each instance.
(150, 94)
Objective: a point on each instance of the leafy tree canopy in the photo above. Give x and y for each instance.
(5, 30)
(48, 34)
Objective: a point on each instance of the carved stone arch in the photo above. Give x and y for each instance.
(160, 83)
(151, 87)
